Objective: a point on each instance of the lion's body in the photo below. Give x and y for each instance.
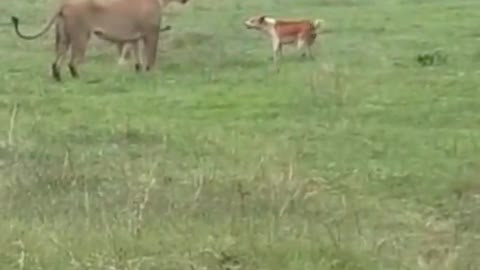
(118, 21)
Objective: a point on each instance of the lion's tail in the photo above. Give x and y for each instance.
(16, 22)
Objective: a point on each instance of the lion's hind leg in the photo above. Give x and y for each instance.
(79, 46)
(62, 44)
(137, 52)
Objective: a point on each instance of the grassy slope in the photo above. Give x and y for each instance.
(359, 160)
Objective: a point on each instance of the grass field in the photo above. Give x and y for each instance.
(362, 159)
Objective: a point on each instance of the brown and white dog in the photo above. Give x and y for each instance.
(301, 33)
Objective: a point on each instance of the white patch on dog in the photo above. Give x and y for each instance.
(270, 20)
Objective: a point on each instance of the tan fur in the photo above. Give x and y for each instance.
(124, 49)
(119, 21)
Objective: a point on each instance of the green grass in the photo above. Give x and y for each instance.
(362, 159)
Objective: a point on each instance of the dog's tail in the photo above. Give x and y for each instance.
(317, 23)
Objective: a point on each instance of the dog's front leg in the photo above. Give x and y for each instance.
(277, 50)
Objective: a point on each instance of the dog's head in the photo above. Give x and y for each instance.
(259, 22)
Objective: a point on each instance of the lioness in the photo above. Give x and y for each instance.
(126, 21)
(124, 49)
